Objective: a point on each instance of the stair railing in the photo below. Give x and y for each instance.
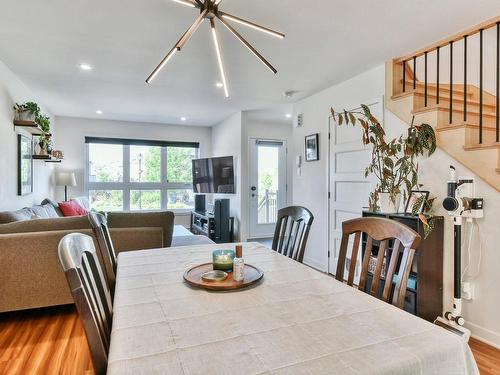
(402, 63)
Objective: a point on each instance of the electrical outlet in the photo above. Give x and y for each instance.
(467, 291)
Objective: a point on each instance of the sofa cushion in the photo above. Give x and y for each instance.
(53, 204)
(83, 202)
(51, 211)
(19, 215)
(39, 211)
(72, 208)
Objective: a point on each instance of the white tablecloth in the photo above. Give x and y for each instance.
(297, 321)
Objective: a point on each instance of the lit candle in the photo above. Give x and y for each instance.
(223, 260)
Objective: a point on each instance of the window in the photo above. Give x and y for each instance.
(139, 175)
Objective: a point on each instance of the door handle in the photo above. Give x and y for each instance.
(253, 188)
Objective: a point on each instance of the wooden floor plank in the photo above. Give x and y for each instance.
(52, 341)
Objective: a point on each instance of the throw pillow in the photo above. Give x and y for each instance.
(72, 208)
(19, 215)
(39, 211)
(51, 211)
(54, 204)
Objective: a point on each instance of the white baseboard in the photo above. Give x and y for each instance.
(485, 335)
(314, 264)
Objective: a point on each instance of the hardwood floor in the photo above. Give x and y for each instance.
(45, 341)
(52, 341)
(487, 357)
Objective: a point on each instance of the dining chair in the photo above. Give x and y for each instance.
(90, 292)
(396, 248)
(99, 225)
(292, 231)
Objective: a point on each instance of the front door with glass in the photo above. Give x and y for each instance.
(267, 188)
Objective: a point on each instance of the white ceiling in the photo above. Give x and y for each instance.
(326, 42)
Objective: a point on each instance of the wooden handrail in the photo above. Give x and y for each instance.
(453, 38)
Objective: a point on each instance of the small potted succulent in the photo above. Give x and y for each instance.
(28, 111)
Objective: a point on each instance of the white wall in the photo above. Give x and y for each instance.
(311, 189)
(227, 141)
(230, 137)
(71, 139)
(12, 90)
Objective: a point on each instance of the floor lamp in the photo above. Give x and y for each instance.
(65, 179)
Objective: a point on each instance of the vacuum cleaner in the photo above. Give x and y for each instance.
(460, 203)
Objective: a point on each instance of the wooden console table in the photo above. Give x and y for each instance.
(424, 294)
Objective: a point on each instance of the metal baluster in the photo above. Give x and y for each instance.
(414, 72)
(451, 82)
(465, 78)
(498, 84)
(404, 76)
(480, 86)
(437, 77)
(425, 79)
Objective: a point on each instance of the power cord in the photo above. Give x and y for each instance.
(469, 245)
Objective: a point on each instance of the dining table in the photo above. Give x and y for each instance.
(297, 320)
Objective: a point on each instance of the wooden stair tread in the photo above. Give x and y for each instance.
(458, 101)
(434, 107)
(442, 87)
(464, 124)
(483, 146)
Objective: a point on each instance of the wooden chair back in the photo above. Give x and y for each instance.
(92, 297)
(397, 244)
(292, 231)
(101, 232)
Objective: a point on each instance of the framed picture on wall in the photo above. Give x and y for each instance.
(24, 165)
(312, 147)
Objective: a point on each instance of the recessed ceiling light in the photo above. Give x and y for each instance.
(288, 115)
(183, 118)
(84, 66)
(99, 112)
(219, 84)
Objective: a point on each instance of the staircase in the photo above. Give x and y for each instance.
(465, 117)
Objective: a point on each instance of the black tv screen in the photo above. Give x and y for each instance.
(213, 175)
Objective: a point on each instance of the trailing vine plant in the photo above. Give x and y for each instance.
(393, 162)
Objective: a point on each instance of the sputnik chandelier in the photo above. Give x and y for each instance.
(209, 9)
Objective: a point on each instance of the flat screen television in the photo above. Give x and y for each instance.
(213, 175)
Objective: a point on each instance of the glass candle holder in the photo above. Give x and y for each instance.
(223, 260)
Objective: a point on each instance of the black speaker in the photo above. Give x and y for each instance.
(199, 203)
(221, 216)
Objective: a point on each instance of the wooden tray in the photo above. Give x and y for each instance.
(193, 277)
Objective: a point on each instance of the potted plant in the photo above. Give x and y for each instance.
(28, 111)
(393, 162)
(44, 141)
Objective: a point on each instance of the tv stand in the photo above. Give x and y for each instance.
(219, 230)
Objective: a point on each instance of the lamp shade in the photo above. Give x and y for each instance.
(65, 179)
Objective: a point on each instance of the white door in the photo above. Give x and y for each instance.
(348, 187)
(267, 185)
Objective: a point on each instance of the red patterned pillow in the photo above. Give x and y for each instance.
(72, 208)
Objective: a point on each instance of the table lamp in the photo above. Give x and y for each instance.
(65, 179)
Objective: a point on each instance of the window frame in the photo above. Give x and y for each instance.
(126, 185)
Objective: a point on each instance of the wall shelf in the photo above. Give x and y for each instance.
(29, 126)
(46, 158)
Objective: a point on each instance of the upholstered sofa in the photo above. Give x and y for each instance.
(30, 272)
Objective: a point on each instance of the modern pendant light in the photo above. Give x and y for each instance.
(209, 9)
